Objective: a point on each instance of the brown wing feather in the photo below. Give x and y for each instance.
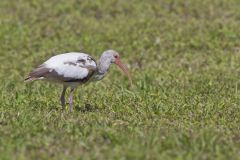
(37, 73)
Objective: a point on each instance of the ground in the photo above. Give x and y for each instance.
(184, 59)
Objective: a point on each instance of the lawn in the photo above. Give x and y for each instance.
(183, 55)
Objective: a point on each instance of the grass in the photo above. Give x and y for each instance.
(184, 60)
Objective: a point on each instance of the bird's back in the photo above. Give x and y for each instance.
(70, 57)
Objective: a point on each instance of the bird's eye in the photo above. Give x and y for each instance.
(115, 56)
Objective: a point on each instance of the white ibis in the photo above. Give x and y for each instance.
(73, 69)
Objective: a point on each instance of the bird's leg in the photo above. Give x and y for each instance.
(71, 99)
(62, 98)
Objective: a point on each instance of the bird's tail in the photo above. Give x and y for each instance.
(30, 79)
(36, 74)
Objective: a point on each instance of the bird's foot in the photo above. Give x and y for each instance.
(71, 107)
(63, 108)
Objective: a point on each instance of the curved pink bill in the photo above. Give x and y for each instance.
(124, 69)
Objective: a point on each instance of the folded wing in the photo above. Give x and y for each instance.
(68, 67)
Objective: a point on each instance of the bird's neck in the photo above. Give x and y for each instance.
(103, 67)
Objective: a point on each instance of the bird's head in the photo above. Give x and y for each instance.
(111, 56)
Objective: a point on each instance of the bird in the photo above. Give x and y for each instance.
(74, 69)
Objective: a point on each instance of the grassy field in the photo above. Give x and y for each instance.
(184, 57)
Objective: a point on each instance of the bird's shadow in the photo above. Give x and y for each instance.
(85, 108)
(77, 108)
